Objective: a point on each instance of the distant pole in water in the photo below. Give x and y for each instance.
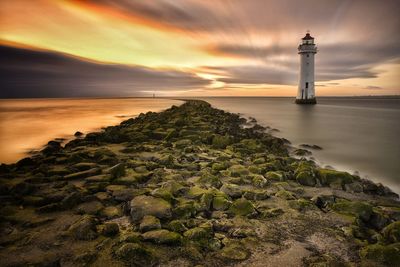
(306, 91)
(154, 95)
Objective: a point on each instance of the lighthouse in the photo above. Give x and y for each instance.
(306, 91)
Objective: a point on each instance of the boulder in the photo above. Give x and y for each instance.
(392, 232)
(148, 205)
(259, 181)
(387, 255)
(328, 177)
(232, 190)
(110, 229)
(274, 176)
(91, 208)
(238, 170)
(221, 202)
(83, 174)
(234, 251)
(242, 207)
(198, 233)
(163, 237)
(306, 178)
(135, 255)
(84, 228)
(149, 223)
(359, 209)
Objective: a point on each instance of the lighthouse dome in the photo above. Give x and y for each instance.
(308, 39)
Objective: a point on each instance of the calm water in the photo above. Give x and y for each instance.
(357, 134)
(28, 124)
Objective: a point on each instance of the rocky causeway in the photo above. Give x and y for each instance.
(191, 186)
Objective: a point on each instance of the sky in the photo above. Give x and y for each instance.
(76, 48)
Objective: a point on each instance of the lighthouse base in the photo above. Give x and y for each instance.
(306, 101)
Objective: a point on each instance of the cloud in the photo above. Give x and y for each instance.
(279, 64)
(371, 87)
(28, 73)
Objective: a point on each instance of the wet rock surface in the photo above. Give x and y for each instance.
(192, 185)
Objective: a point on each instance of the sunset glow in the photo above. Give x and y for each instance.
(216, 47)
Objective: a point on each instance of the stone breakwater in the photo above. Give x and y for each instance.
(192, 185)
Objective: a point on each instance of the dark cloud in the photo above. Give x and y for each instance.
(28, 73)
(266, 15)
(279, 64)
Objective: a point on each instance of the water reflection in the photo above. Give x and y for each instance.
(27, 124)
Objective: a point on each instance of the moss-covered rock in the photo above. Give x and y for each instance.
(232, 190)
(220, 203)
(163, 193)
(83, 174)
(238, 170)
(198, 233)
(148, 205)
(176, 226)
(234, 251)
(91, 208)
(306, 178)
(84, 228)
(220, 141)
(185, 209)
(274, 176)
(149, 223)
(135, 254)
(110, 229)
(259, 181)
(285, 195)
(333, 177)
(163, 237)
(387, 255)
(392, 232)
(359, 209)
(242, 207)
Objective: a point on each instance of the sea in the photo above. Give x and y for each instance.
(357, 134)
(26, 125)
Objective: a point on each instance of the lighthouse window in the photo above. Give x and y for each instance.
(308, 55)
(306, 85)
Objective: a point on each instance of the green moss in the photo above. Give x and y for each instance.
(359, 209)
(234, 251)
(163, 193)
(388, 255)
(198, 233)
(220, 141)
(255, 169)
(196, 192)
(163, 237)
(220, 203)
(238, 170)
(285, 195)
(242, 207)
(135, 254)
(392, 232)
(149, 223)
(259, 161)
(306, 178)
(274, 176)
(331, 177)
(232, 190)
(176, 226)
(216, 167)
(259, 181)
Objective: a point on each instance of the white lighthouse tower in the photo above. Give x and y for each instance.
(306, 91)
